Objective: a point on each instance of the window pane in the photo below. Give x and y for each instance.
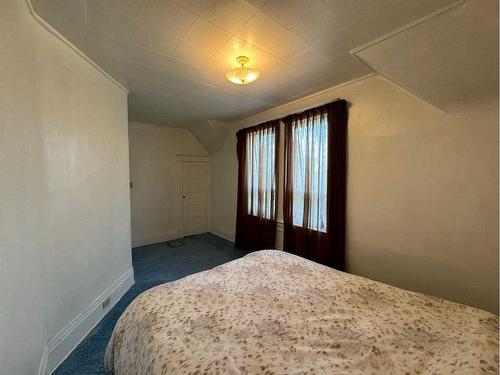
(310, 141)
(261, 173)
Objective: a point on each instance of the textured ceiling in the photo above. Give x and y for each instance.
(173, 55)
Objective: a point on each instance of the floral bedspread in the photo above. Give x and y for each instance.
(271, 312)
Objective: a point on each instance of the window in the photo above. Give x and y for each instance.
(257, 148)
(309, 171)
(261, 169)
(313, 158)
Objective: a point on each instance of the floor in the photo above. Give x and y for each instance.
(153, 265)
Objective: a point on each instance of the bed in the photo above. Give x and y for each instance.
(272, 312)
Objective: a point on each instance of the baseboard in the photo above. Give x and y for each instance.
(155, 238)
(64, 342)
(43, 362)
(226, 235)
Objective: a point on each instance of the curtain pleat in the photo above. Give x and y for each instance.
(315, 184)
(257, 150)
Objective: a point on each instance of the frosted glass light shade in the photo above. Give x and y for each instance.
(242, 75)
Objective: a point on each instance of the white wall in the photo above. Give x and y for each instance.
(153, 172)
(64, 197)
(422, 201)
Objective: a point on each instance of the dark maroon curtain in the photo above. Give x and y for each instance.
(257, 150)
(315, 184)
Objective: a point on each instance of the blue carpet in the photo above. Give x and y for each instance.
(153, 265)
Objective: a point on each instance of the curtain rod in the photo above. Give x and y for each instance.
(298, 112)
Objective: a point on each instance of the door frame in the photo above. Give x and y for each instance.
(179, 160)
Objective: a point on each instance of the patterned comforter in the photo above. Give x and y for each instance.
(271, 312)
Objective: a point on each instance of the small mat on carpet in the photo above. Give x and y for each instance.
(176, 243)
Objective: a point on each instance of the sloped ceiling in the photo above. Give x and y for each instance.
(448, 59)
(211, 135)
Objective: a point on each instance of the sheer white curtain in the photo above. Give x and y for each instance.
(310, 172)
(261, 169)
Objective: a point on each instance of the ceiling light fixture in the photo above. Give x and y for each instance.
(242, 75)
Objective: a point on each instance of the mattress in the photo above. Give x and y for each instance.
(272, 312)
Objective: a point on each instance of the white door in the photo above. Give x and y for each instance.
(194, 197)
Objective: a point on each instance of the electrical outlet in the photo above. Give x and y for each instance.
(106, 303)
